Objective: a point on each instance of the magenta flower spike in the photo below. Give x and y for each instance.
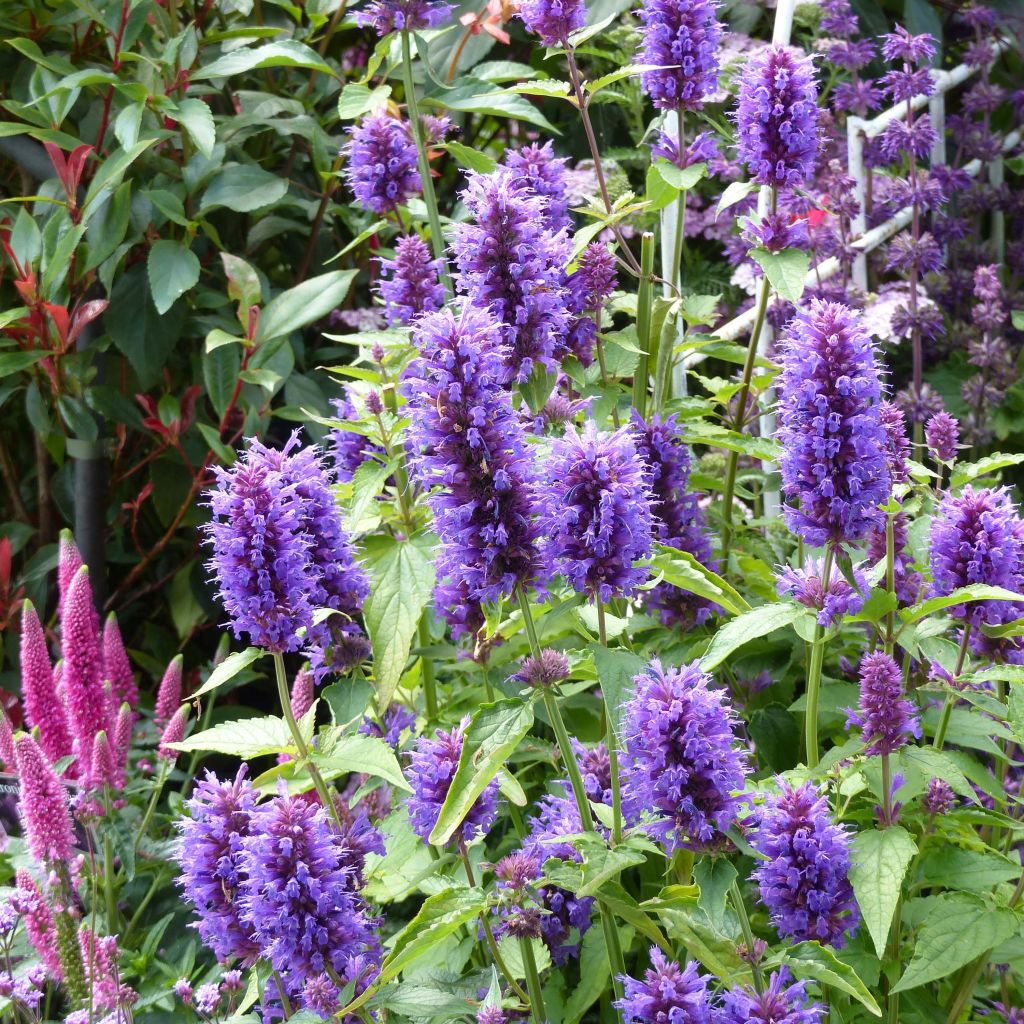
(44, 805)
(43, 708)
(35, 912)
(303, 692)
(168, 696)
(117, 666)
(7, 744)
(123, 740)
(103, 771)
(173, 733)
(87, 701)
(69, 561)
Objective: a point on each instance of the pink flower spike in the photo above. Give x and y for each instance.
(69, 561)
(303, 693)
(87, 700)
(168, 697)
(123, 741)
(103, 770)
(173, 733)
(38, 922)
(44, 805)
(43, 708)
(7, 744)
(117, 666)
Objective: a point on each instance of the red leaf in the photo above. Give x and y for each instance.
(85, 314)
(61, 320)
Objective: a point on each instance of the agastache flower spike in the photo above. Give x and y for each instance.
(834, 446)
(783, 1001)
(465, 436)
(118, 667)
(804, 879)
(596, 512)
(511, 262)
(681, 760)
(43, 708)
(886, 718)
(545, 174)
(667, 994)
(433, 764)
(777, 117)
(382, 171)
(409, 284)
(681, 40)
(387, 16)
(43, 802)
(942, 433)
(553, 20)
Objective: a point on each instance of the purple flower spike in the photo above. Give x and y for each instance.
(668, 994)
(596, 512)
(597, 273)
(681, 38)
(886, 718)
(835, 448)
(210, 854)
(382, 169)
(939, 797)
(465, 437)
(681, 760)
(978, 537)
(546, 175)
(432, 767)
(804, 881)
(43, 801)
(832, 603)
(412, 15)
(511, 262)
(777, 117)
(300, 899)
(942, 432)
(409, 283)
(782, 1002)
(553, 20)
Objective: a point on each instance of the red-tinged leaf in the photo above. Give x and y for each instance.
(5, 562)
(76, 165)
(60, 164)
(188, 406)
(61, 320)
(85, 314)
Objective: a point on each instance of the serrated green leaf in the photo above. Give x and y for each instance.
(368, 755)
(735, 192)
(817, 962)
(746, 627)
(243, 188)
(244, 738)
(879, 862)
(471, 158)
(682, 570)
(197, 119)
(234, 663)
(965, 472)
(962, 595)
(493, 734)
(357, 99)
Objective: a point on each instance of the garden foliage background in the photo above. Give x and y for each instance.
(214, 229)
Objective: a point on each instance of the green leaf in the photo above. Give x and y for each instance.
(243, 188)
(173, 268)
(682, 570)
(441, 915)
(493, 734)
(473, 96)
(245, 738)
(594, 974)
(288, 54)
(369, 755)
(820, 964)
(970, 870)
(963, 595)
(735, 192)
(471, 158)
(197, 119)
(937, 764)
(958, 928)
(680, 178)
(15, 362)
(110, 172)
(221, 367)
(786, 271)
(746, 627)
(965, 472)
(629, 71)
(880, 861)
(234, 663)
(601, 863)
(616, 670)
(402, 575)
(1015, 711)
(357, 99)
(304, 304)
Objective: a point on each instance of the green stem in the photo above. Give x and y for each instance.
(748, 935)
(741, 411)
(947, 706)
(886, 791)
(814, 675)
(492, 944)
(615, 958)
(286, 1005)
(427, 666)
(644, 304)
(429, 196)
(108, 886)
(890, 580)
(611, 742)
(151, 806)
(301, 750)
(533, 982)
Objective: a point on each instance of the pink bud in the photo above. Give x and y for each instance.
(38, 922)
(44, 804)
(7, 744)
(303, 693)
(117, 666)
(87, 700)
(168, 697)
(103, 770)
(43, 708)
(123, 741)
(173, 733)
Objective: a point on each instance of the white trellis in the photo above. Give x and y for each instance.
(864, 240)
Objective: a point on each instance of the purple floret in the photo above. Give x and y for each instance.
(783, 1001)
(887, 719)
(382, 169)
(409, 284)
(667, 994)
(681, 40)
(807, 588)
